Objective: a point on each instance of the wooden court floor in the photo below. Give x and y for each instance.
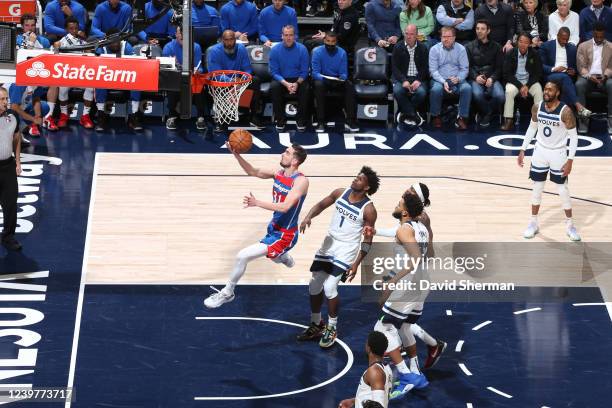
(178, 218)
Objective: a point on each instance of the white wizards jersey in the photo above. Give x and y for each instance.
(364, 391)
(552, 132)
(347, 222)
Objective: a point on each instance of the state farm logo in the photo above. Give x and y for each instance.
(370, 55)
(38, 70)
(61, 70)
(257, 54)
(371, 111)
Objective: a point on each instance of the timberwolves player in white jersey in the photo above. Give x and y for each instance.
(435, 347)
(376, 381)
(554, 123)
(403, 307)
(341, 253)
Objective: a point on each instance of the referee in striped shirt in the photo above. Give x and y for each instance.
(10, 168)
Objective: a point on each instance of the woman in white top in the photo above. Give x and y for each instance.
(564, 17)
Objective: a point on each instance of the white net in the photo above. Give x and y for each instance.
(227, 97)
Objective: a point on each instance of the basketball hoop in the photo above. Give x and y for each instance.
(226, 87)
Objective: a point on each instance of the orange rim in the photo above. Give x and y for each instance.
(206, 78)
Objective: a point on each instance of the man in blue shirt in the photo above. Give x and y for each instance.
(231, 56)
(289, 68)
(597, 12)
(118, 48)
(272, 19)
(330, 72)
(29, 39)
(54, 20)
(25, 101)
(175, 49)
(110, 14)
(162, 28)
(203, 15)
(240, 16)
(382, 18)
(449, 67)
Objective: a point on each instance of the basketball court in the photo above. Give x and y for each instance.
(124, 233)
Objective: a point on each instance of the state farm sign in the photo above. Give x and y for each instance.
(89, 72)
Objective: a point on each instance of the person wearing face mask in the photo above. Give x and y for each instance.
(240, 16)
(118, 48)
(229, 55)
(56, 13)
(175, 49)
(162, 28)
(29, 39)
(594, 63)
(330, 72)
(595, 13)
(110, 14)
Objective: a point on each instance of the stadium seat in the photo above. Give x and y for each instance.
(260, 60)
(372, 83)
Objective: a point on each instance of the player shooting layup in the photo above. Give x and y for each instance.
(288, 194)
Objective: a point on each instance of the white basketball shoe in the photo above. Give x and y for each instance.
(217, 299)
(572, 233)
(532, 230)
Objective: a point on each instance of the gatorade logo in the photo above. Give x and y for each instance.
(290, 109)
(257, 54)
(370, 55)
(15, 10)
(371, 111)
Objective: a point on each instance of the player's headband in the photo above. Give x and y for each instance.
(417, 188)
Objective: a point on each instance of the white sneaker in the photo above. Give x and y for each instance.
(532, 230)
(289, 262)
(217, 299)
(572, 233)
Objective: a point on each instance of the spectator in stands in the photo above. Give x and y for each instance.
(410, 72)
(118, 48)
(531, 20)
(501, 18)
(559, 65)
(486, 63)
(229, 55)
(596, 13)
(203, 15)
(449, 67)
(29, 39)
(54, 20)
(314, 7)
(25, 101)
(330, 73)
(240, 16)
(289, 63)
(345, 25)
(382, 18)
(455, 13)
(162, 28)
(420, 15)
(522, 73)
(594, 62)
(272, 19)
(175, 49)
(70, 39)
(564, 17)
(110, 14)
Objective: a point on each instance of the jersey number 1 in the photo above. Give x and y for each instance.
(341, 221)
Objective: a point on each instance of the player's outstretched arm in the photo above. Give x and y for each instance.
(369, 220)
(531, 132)
(569, 120)
(319, 207)
(248, 167)
(300, 188)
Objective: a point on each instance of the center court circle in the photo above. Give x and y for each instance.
(347, 367)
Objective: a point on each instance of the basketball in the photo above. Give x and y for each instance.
(241, 140)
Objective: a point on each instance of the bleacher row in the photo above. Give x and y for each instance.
(371, 76)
